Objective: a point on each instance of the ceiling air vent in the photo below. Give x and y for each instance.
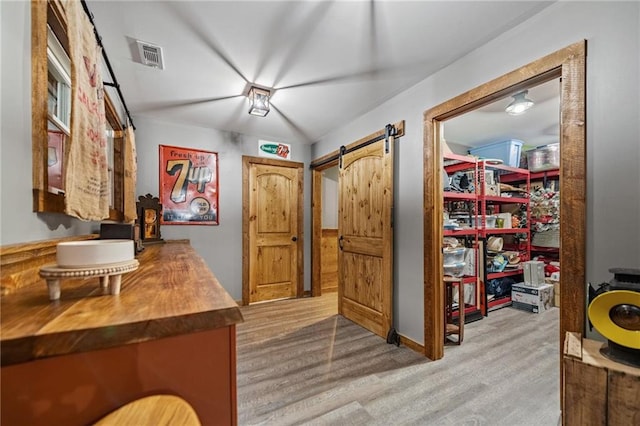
(150, 54)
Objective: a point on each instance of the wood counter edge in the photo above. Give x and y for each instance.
(40, 345)
(25, 349)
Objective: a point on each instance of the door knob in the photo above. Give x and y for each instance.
(294, 238)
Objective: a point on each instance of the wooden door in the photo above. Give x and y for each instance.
(365, 263)
(274, 237)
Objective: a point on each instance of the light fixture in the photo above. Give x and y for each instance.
(520, 103)
(258, 101)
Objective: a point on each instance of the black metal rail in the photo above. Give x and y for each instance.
(389, 130)
(106, 60)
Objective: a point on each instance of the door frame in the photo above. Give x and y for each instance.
(569, 64)
(317, 167)
(247, 161)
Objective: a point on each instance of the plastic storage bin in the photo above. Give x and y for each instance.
(455, 269)
(507, 151)
(453, 255)
(489, 221)
(544, 158)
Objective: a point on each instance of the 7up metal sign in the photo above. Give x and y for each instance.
(278, 150)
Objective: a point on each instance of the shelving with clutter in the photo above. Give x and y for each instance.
(523, 200)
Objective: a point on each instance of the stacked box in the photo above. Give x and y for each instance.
(556, 294)
(533, 273)
(532, 299)
(544, 158)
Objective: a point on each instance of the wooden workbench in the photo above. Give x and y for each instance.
(598, 390)
(170, 330)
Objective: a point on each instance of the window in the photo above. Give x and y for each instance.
(51, 112)
(58, 110)
(58, 83)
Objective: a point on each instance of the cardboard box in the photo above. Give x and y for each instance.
(470, 268)
(491, 190)
(556, 292)
(533, 273)
(532, 299)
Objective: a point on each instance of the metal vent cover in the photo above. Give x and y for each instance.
(150, 54)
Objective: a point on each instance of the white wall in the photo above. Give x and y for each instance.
(220, 246)
(613, 133)
(19, 223)
(330, 198)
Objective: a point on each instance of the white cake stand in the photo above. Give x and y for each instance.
(53, 274)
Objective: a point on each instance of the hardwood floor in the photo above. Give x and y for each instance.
(301, 363)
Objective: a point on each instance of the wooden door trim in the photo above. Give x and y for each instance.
(247, 161)
(570, 65)
(317, 166)
(316, 227)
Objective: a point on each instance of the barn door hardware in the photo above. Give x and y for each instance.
(340, 240)
(343, 151)
(389, 131)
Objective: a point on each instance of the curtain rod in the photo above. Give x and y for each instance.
(106, 59)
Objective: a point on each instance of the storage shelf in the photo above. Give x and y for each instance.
(505, 174)
(471, 314)
(502, 302)
(460, 232)
(469, 279)
(504, 200)
(479, 204)
(493, 231)
(522, 174)
(509, 273)
(459, 196)
(539, 249)
(549, 174)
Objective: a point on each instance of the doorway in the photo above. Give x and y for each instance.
(272, 229)
(524, 203)
(569, 65)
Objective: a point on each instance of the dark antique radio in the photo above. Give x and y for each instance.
(121, 231)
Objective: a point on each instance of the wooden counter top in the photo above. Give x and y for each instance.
(173, 292)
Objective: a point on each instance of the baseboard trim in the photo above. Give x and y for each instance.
(415, 346)
(306, 293)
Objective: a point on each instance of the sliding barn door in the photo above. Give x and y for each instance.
(365, 262)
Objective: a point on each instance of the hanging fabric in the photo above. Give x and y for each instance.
(87, 192)
(130, 175)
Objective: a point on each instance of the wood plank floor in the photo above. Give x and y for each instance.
(301, 363)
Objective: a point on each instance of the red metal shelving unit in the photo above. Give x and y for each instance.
(503, 174)
(461, 163)
(477, 204)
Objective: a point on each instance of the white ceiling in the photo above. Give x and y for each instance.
(540, 125)
(329, 61)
